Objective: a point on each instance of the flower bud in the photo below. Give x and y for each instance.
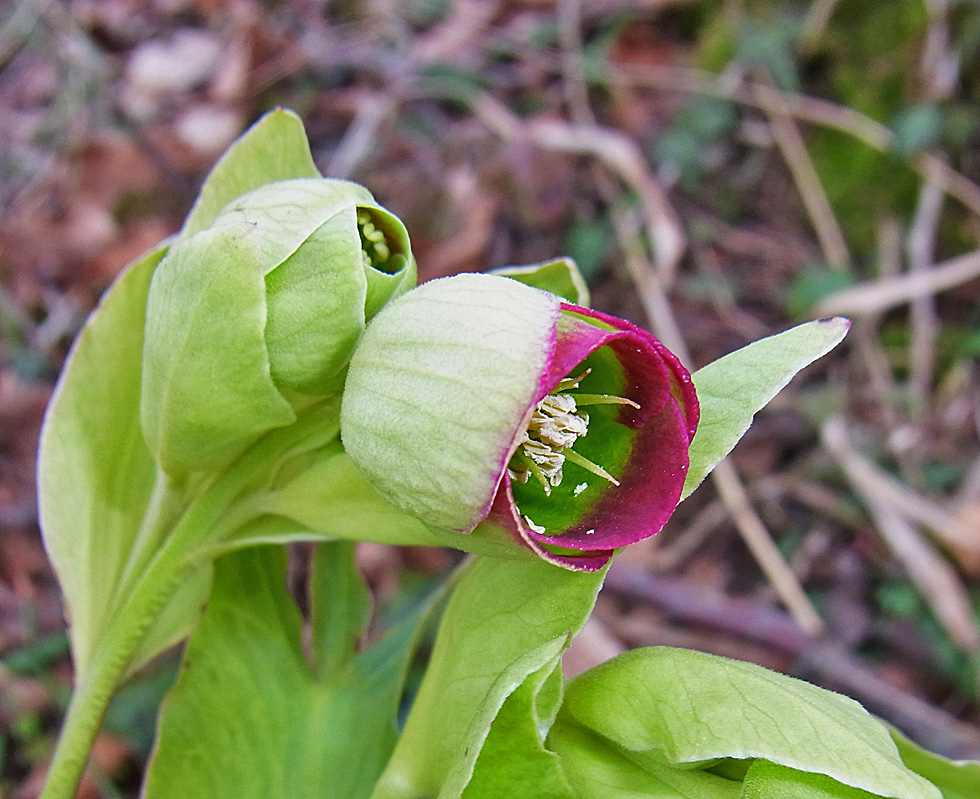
(249, 318)
(484, 406)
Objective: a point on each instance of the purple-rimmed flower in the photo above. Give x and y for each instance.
(484, 406)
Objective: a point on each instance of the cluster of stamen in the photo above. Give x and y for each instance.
(374, 243)
(557, 422)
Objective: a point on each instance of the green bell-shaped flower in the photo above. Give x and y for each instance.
(257, 315)
(496, 413)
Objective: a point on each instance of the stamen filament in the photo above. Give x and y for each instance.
(588, 465)
(603, 399)
(534, 469)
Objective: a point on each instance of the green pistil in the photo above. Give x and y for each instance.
(556, 424)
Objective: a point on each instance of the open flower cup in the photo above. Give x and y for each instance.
(486, 407)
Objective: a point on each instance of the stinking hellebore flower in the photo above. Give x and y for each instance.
(256, 316)
(484, 406)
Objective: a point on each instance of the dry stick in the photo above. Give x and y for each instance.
(925, 322)
(649, 287)
(815, 22)
(808, 184)
(905, 501)
(361, 134)
(811, 109)
(623, 158)
(763, 549)
(864, 331)
(619, 154)
(668, 556)
(457, 33)
(648, 281)
(576, 86)
(881, 295)
(753, 621)
(936, 580)
(939, 67)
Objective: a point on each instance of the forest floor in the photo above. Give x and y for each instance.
(719, 169)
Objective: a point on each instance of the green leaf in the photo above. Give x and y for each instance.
(274, 148)
(561, 277)
(597, 769)
(957, 779)
(687, 707)
(250, 716)
(513, 756)
(734, 388)
(95, 474)
(766, 780)
(506, 619)
(340, 606)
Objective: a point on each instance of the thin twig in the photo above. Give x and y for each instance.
(618, 153)
(936, 580)
(939, 67)
(815, 22)
(924, 319)
(753, 621)
(576, 86)
(646, 279)
(811, 109)
(667, 556)
(765, 552)
(864, 331)
(876, 296)
(808, 184)
(457, 32)
(361, 134)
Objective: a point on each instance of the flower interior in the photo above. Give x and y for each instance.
(376, 245)
(569, 455)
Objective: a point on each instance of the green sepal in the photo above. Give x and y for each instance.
(734, 388)
(560, 277)
(274, 148)
(207, 391)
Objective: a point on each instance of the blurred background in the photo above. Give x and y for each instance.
(719, 169)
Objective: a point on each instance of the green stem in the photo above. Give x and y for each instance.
(167, 502)
(147, 590)
(106, 669)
